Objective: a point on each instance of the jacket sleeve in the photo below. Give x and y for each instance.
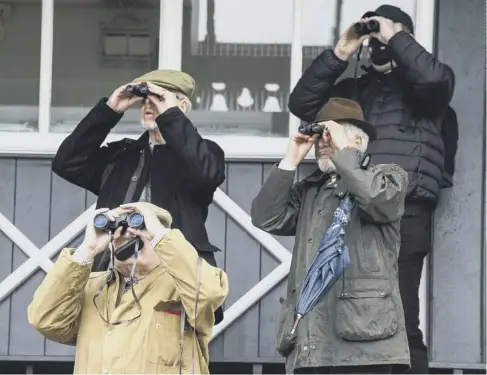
(276, 207)
(379, 190)
(202, 161)
(180, 259)
(317, 85)
(81, 159)
(55, 310)
(432, 82)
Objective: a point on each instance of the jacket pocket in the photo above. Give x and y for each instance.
(365, 310)
(370, 249)
(163, 340)
(285, 341)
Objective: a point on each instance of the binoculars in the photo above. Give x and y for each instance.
(141, 90)
(134, 220)
(364, 28)
(311, 129)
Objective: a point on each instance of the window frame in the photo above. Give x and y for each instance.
(43, 143)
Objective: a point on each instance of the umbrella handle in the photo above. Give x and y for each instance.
(296, 322)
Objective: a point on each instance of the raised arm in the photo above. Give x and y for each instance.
(318, 84)
(276, 207)
(81, 159)
(202, 161)
(55, 310)
(319, 81)
(379, 190)
(432, 81)
(181, 261)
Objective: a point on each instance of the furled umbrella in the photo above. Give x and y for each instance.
(330, 262)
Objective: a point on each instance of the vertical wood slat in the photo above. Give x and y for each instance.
(456, 273)
(269, 305)
(32, 206)
(7, 206)
(242, 262)
(217, 232)
(61, 215)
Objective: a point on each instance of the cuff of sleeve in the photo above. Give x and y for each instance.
(332, 62)
(75, 274)
(282, 174)
(398, 43)
(285, 165)
(158, 237)
(171, 124)
(168, 115)
(107, 112)
(348, 158)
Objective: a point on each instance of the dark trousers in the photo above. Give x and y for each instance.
(415, 245)
(375, 369)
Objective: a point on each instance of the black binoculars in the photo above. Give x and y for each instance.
(134, 220)
(141, 90)
(364, 28)
(311, 129)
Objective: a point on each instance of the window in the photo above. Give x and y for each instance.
(20, 41)
(324, 21)
(98, 46)
(240, 59)
(246, 56)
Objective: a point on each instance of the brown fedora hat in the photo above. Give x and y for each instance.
(346, 110)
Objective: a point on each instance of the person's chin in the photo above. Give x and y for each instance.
(148, 124)
(326, 165)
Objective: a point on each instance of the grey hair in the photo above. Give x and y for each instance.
(352, 131)
(180, 96)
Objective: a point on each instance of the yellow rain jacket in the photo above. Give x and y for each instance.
(63, 311)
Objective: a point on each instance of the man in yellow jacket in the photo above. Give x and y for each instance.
(162, 323)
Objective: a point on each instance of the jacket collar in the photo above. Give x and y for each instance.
(317, 177)
(136, 144)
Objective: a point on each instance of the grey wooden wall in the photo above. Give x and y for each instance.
(41, 204)
(457, 309)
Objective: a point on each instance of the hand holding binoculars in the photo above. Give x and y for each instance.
(364, 28)
(141, 90)
(134, 220)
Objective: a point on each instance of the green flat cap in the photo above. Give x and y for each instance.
(171, 80)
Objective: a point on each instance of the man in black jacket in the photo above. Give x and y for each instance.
(170, 165)
(405, 94)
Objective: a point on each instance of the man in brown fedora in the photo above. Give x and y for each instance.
(358, 326)
(170, 165)
(406, 92)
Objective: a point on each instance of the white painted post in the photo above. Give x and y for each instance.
(171, 34)
(424, 33)
(45, 78)
(296, 57)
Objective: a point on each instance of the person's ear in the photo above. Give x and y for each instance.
(183, 105)
(358, 142)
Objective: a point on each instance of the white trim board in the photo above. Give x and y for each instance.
(235, 147)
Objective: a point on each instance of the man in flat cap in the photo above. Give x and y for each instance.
(358, 326)
(170, 165)
(405, 93)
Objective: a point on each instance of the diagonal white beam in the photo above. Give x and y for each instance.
(23, 243)
(18, 276)
(228, 206)
(241, 217)
(253, 296)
